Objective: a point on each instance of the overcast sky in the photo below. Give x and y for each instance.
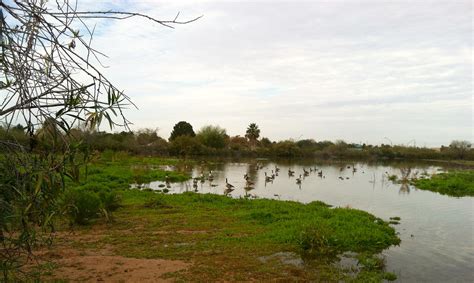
(362, 71)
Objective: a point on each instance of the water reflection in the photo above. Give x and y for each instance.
(404, 188)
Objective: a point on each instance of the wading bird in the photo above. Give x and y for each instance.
(298, 180)
(228, 185)
(268, 178)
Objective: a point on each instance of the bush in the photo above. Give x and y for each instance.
(90, 201)
(239, 143)
(315, 241)
(212, 136)
(286, 149)
(185, 145)
(82, 205)
(155, 202)
(111, 201)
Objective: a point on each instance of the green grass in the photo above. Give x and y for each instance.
(284, 221)
(457, 183)
(223, 237)
(119, 170)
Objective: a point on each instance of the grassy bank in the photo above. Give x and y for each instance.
(457, 183)
(237, 239)
(219, 238)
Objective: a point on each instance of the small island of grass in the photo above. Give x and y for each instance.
(457, 183)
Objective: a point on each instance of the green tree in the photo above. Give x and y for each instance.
(286, 148)
(185, 145)
(182, 128)
(252, 133)
(265, 142)
(307, 143)
(460, 148)
(212, 136)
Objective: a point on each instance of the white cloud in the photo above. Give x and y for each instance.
(360, 71)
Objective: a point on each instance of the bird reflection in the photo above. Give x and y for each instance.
(404, 188)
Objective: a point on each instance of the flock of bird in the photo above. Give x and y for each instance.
(269, 177)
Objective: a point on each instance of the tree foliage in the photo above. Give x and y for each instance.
(253, 132)
(460, 148)
(185, 145)
(212, 136)
(182, 128)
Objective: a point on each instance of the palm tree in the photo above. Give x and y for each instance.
(253, 133)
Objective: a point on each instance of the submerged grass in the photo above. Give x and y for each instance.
(119, 170)
(457, 183)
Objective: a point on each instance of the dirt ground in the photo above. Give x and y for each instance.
(101, 265)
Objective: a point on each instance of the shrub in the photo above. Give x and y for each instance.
(111, 201)
(212, 136)
(286, 149)
(185, 145)
(155, 202)
(82, 205)
(315, 241)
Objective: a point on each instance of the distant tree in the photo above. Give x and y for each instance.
(460, 148)
(252, 133)
(323, 144)
(182, 128)
(265, 142)
(212, 136)
(286, 148)
(338, 149)
(238, 143)
(146, 136)
(185, 145)
(50, 136)
(307, 143)
(19, 127)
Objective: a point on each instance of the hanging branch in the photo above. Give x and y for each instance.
(48, 67)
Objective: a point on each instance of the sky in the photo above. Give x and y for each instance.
(363, 71)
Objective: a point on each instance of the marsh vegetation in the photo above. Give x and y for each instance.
(71, 194)
(276, 229)
(106, 186)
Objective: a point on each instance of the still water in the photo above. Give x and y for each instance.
(437, 231)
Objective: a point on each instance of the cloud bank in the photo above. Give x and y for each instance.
(361, 71)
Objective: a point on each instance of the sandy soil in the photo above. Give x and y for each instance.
(103, 266)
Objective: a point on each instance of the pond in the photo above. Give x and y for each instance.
(437, 231)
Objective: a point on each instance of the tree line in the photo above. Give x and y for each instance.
(213, 140)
